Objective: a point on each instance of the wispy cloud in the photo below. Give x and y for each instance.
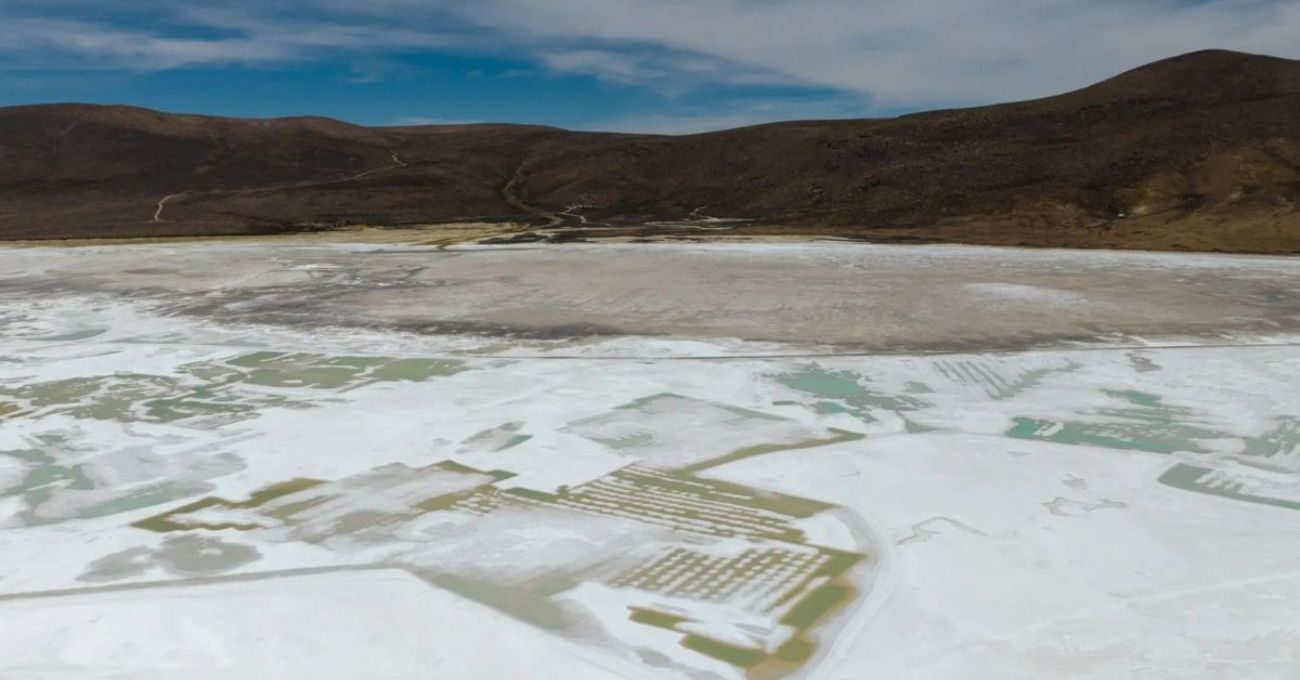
(40, 42)
(408, 121)
(666, 69)
(742, 113)
(186, 39)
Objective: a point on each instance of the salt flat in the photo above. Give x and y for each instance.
(275, 460)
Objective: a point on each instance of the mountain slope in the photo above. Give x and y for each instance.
(1197, 152)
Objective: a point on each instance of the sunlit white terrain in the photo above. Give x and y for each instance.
(269, 460)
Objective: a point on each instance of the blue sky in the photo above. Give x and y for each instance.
(640, 65)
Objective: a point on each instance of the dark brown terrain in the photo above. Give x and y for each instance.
(1199, 152)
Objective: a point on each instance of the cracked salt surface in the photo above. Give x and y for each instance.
(190, 490)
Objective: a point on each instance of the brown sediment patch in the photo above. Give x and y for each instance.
(190, 556)
(437, 235)
(883, 299)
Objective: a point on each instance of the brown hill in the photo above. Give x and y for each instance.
(1197, 152)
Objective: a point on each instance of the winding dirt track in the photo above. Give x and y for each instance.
(158, 210)
(157, 213)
